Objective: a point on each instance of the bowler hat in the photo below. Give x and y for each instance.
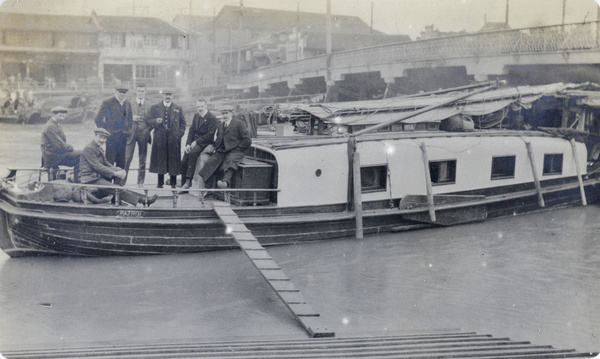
(59, 109)
(101, 132)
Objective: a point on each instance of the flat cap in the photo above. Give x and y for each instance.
(59, 109)
(168, 90)
(122, 87)
(101, 132)
(228, 108)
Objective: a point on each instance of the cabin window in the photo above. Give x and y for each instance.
(373, 179)
(553, 164)
(503, 167)
(442, 172)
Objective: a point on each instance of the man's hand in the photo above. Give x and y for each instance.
(120, 173)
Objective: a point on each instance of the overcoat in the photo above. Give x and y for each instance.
(166, 141)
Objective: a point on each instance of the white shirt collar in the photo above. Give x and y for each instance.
(121, 102)
(139, 101)
(167, 105)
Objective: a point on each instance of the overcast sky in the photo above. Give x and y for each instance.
(408, 17)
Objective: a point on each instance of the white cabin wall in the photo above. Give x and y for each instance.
(299, 185)
(298, 182)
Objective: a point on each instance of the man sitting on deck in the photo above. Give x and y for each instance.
(232, 139)
(55, 149)
(95, 169)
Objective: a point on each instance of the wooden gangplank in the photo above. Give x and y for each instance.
(270, 270)
(449, 344)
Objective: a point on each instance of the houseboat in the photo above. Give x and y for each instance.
(349, 169)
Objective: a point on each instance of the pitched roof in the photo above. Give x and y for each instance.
(196, 21)
(136, 24)
(274, 20)
(42, 22)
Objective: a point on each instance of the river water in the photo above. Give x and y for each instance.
(533, 277)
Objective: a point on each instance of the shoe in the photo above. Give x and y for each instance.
(222, 184)
(140, 185)
(159, 186)
(187, 185)
(149, 201)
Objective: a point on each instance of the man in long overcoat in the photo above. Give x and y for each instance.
(232, 140)
(168, 123)
(115, 116)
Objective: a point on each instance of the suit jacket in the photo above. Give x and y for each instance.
(54, 140)
(113, 117)
(234, 138)
(141, 111)
(202, 130)
(93, 164)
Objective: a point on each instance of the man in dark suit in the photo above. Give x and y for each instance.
(166, 118)
(95, 169)
(140, 134)
(200, 142)
(55, 149)
(115, 116)
(232, 139)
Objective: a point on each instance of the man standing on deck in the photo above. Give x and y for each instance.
(140, 134)
(95, 169)
(166, 118)
(55, 149)
(115, 116)
(232, 139)
(200, 142)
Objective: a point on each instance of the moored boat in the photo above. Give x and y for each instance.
(409, 169)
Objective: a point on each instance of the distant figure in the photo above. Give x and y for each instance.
(95, 169)
(232, 139)
(200, 142)
(115, 116)
(168, 123)
(55, 149)
(140, 134)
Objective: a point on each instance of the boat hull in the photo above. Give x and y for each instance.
(39, 228)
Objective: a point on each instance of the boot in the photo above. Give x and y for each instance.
(148, 202)
(130, 197)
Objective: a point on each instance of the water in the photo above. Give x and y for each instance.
(531, 277)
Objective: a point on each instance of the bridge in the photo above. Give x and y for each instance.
(569, 52)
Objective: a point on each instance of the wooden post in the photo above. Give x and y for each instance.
(581, 188)
(358, 212)
(428, 182)
(536, 180)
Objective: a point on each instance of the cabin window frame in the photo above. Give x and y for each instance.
(503, 173)
(378, 175)
(550, 164)
(449, 179)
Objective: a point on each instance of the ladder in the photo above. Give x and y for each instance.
(270, 270)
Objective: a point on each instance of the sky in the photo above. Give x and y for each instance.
(398, 17)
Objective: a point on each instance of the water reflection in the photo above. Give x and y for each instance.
(532, 277)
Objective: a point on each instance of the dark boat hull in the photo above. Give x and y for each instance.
(42, 228)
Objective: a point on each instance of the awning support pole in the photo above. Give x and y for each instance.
(428, 183)
(538, 187)
(575, 158)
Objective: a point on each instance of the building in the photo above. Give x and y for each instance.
(243, 39)
(61, 51)
(47, 49)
